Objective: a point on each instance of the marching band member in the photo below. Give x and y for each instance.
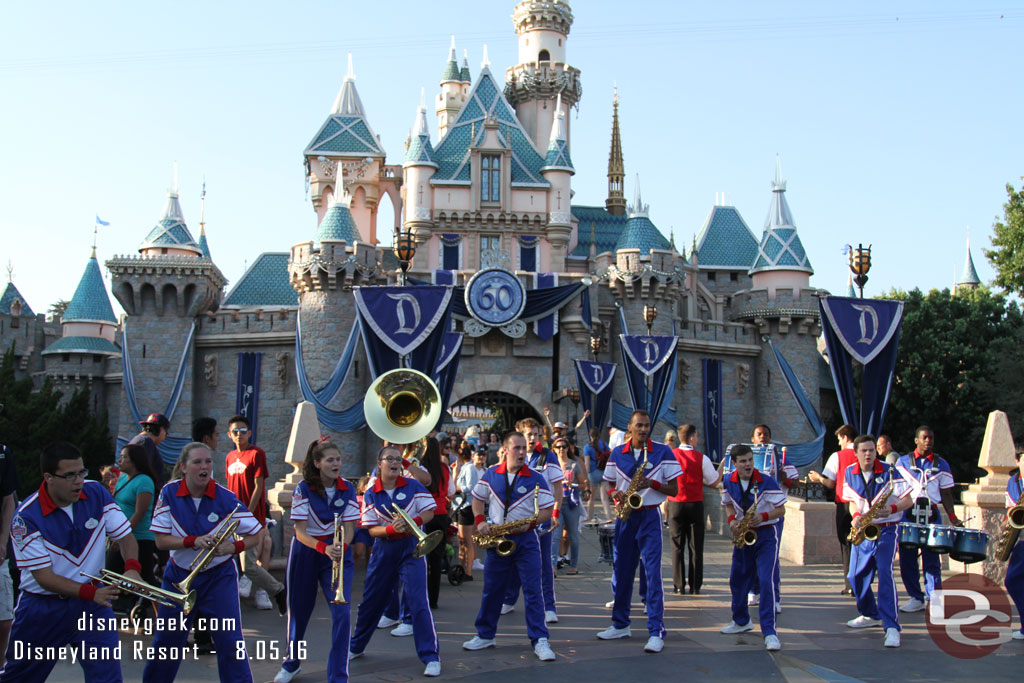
(392, 559)
(686, 511)
(187, 513)
(320, 496)
(638, 539)
(510, 489)
(1014, 580)
(540, 459)
(865, 481)
(786, 474)
(832, 478)
(932, 479)
(58, 533)
(740, 490)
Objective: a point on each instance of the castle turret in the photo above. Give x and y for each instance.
(616, 201)
(532, 85)
(464, 75)
(781, 261)
(170, 235)
(558, 171)
(454, 89)
(969, 277)
(418, 168)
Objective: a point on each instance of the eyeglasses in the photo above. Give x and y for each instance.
(391, 458)
(240, 430)
(71, 476)
(560, 446)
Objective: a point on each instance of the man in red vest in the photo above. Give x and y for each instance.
(832, 478)
(686, 511)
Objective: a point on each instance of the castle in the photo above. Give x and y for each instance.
(493, 184)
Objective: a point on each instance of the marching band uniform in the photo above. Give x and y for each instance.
(392, 561)
(875, 556)
(69, 541)
(1014, 581)
(638, 540)
(786, 474)
(686, 518)
(937, 476)
(309, 569)
(178, 514)
(508, 501)
(757, 559)
(545, 462)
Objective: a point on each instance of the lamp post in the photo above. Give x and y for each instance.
(650, 315)
(595, 346)
(860, 264)
(405, 250)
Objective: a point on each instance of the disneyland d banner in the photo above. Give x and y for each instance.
(651, 358)
(597, 384)
(408, 325)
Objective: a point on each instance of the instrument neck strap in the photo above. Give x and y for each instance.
(509, 488)
(745, 492)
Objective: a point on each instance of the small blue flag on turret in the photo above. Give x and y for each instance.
(100, 221)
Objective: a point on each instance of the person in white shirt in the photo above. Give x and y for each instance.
(469, 475)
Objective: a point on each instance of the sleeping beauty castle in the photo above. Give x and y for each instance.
(491, 187)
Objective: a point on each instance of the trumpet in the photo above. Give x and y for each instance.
(425, 542)
(338, 568)
(186, 601)
(222, 532)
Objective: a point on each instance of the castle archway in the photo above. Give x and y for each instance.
(509, 407)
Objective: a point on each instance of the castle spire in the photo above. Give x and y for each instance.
(203, 244)
(780, 248)
(638, 207)
(464, 75)
(347, 102)
(451, 67)
(616, 201)
(969, 278)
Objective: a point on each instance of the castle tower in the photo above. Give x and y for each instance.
(969, 279)
(346, 137)
(454, 88)
(21, 330)
(781, 260)
(163, 289)
(464, 76)
(418, 168)
(558, 171)
(616, 201)
(204, 246)
(542, 73)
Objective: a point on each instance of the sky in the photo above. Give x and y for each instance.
(893, 120)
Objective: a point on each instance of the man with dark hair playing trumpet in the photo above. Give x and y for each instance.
(320, 503)
(514, 493)
(877, 496)
(59, 532)
(193, 520)
(754, 502)
(394, 557)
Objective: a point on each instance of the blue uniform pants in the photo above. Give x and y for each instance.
(1014, 581)
(638, 540)
(778, 566)
(50, 621)
(867, 559)
(217, 598)
(910, 571)
(748, 562)
(528, 560)
(397, 607)
(308, 570)
(392, 562)
(547, 574)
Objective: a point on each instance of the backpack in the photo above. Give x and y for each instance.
(602, 456)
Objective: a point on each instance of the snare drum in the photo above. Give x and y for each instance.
(606, 535)
(968, 545)
(940, 538)
(913, 535)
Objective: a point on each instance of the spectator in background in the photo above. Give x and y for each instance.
(154, 430)
(134, 493)
(493, 444)
(574, 484)
(885, 451)
(204, 431)
(8, 485)
(560, 428)
(595, 457)
(469, 475)
(441, 487)
(616, 437)
(473, 435)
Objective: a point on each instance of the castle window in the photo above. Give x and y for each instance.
(544, 56)
(490, 177)
(528, 258)
(451, 251)
(711, 276)
(734, 276)
(489, 242)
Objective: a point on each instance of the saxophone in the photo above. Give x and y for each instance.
(495, 536)
(631, 497)
(745, 534)
(1010, 531)
(865, 528)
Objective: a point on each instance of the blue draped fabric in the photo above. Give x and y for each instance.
(539, 302)
(546, 327)
(247, 391)
(403, 326)
(801, 454)
(347, 420)
(588, 321)
(596, 382)
(341, 370)
(649, 357)
(621, 413)
(448, 370)
(712, 375)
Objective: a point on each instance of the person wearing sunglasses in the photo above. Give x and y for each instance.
(59, 532)
(154, 430)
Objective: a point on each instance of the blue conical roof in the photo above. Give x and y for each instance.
(557, 157)
(420, 151)
(464, 74)
(640, 233)
(204, 246)
(970, 274)
(170, 230)
(347, 131)
(780, 247)
(451, 68)
(337, 225)
(90, 301)
(7, 298)
(725, 241)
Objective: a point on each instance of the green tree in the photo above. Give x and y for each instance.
(948, 370)
(1007, 256)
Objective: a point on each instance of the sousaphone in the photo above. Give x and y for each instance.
(402, 406)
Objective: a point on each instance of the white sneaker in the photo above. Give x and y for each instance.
(863, 622)
(772, 643)
(753, 598)
(543, 650)
(654, 644)
(912, 605)
(284, 675)
(733, 627)
(477, 564)
(892, 638)
(550, 617)
(402, 630)
(386, 622)
(354, 655)
(778, 608)
(610, 604)
(1018, 635)
(244, 586)
(433, 669)
(262, 600)
(505, 609)
(478, 643)
(611, 633)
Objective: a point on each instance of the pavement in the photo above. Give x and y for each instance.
(816, 644)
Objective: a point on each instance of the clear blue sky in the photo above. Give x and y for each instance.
(898, 123)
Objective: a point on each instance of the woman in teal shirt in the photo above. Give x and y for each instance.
(134, 493)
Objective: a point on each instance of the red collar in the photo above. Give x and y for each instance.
(879, 468)
(378, 486)
(524, 471)
(629, 445)
(210, 492)
(930, 457)
(755, 477)
(341, 485)
(46, 503)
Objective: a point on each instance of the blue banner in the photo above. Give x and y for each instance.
(800, 454)
(864, 327)
(596, 382)
(403, 326)
(447, 370)
(546, 327)
(649, 358)
(247, 392)
(712, 371)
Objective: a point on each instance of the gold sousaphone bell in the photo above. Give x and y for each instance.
(402, 406)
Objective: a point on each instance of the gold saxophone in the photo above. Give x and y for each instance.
(631, 497)
(745, 534)
(865, 529)
(1010, 531)
(495, 536)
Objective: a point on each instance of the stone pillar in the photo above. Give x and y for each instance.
(984, 503)
(305, 429)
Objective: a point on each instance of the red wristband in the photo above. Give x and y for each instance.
(611, 491)
(732, 518)
(954, 518)
(87, 592)
(764, 516)
(321, 547)
(189, 541)
(132, 565)
(239, 547)
(417, 520)
(479, 519)
(855, 515)
(656, 485)
(893, 509)
(405, 463)
(344, 547)
(390, 532)
(554, 515)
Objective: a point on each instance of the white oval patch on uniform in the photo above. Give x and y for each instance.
(649, 465)
(213, 517)
(339, 502)
(92, 523)
(400, 496)
(879, 480)
(521, 489)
